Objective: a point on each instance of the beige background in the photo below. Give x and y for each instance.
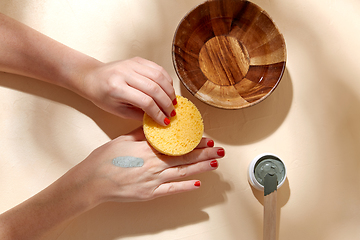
(311, 121)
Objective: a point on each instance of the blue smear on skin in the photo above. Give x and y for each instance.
(128, 162)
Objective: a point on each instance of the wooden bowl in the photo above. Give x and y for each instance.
(229, 53)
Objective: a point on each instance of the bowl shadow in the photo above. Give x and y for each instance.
(247, 125)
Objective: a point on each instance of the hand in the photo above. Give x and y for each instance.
(128, 88)
(107, 182)
(125, 88)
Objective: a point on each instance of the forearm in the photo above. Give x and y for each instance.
(27, 52)
(62, 201)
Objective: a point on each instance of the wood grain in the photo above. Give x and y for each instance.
(269, 231)
(229, 53)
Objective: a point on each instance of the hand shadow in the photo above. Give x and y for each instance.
(112, 125)
(114, 220)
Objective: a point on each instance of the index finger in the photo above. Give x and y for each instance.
(155, 66)
(157, 74)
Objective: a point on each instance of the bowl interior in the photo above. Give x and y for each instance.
(229, 53)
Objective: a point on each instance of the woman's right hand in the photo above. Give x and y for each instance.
(129, 88)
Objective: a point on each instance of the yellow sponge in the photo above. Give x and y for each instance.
(183, 133)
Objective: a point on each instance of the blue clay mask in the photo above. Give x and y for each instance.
(128, 162)
(271, 166)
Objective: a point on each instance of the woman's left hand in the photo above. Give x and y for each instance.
(157, 177)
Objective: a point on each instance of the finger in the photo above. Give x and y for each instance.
(197, 155)
(155, 92)
(205, 142)
(176, 187)
(145, 102)
(157, 74)
(154, 66)
(183, 171)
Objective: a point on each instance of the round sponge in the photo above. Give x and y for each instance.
(183, 133)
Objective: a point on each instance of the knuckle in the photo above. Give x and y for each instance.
(153, 168)
(168, 105)
(187, 158)
(172, 91)
(182, 171)
(146, 102)
(159, 114)
(153, 88)
(171, 188)
(157, 75)
(208, 154)
(114, 85)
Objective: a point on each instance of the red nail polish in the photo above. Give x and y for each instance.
(173, 113)
(221, 152)
(174, 102)
(214, 164)
(210, 143)
(197, 184)
(166, 121)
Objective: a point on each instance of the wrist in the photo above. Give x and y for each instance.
(81, 188)
(60, 202)
(75, 71)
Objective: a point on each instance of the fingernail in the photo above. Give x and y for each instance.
(221, 152)
(173, 113)
(210, 143)
(166, 121)
(197, 184)
(174, 102)
(214, 164)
